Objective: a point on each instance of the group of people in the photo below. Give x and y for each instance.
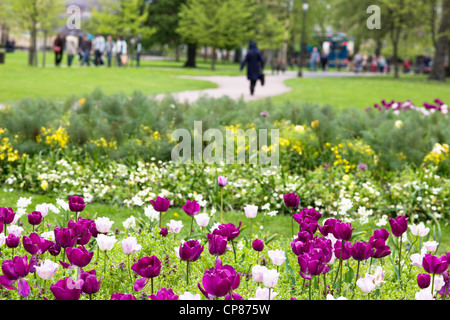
(373, 63)
(98, 51)
(318, 58)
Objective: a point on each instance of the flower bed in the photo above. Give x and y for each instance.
(81, 258)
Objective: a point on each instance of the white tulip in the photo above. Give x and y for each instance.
(105, 243)
(277, 257)
(270, 278)
(202, 219)
(103, 224)
(47, 269)
(419, 230)
(251, 211)
(258, 273)
(130, 245)
(175, 226)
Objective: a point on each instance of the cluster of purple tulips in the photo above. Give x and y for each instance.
(316, 253)
(396, 106)
(317, 246)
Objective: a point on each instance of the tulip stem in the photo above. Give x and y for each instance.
(432, 286)
(129, 269)
(192, 225)
(356, 279)
(234, 251)
(400, 260)
(151, 280)
(310, 285)
(104, 264)
(221, 205)
(187, 272)
(325, 284)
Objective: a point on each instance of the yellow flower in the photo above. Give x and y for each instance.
(44, 184)
(82, 101)
(315, 124)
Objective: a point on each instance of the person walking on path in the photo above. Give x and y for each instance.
(315, 59)
(58, 48)
(121, 51)
(255, 65)
(99, 48)
(324, 61)
(71, 48)
(109, 49)
(86, 46)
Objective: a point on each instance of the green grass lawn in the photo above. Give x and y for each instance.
(363, 92)
(20, 81)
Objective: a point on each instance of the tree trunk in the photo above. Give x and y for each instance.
(395, 38)
(237, 55)
(32, 53)
(44, 51)
(213, 59)
(191, 54)
(177, 52)
(441, 48)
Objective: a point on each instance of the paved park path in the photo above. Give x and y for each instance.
(236, 87)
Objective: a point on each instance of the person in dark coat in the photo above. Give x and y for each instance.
(255, 65)
(58, 48)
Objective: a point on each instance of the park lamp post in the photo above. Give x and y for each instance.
(305, 7)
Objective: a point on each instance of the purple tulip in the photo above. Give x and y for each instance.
(399, 225)
(191, 208)
(76, 204)
(343, 231)
(12, 241)
(362, 251)
(1, 227)
(346, 253)
(328, 226)
(310, 266)
(307, 215)
(6, 215)
(122, 296)
(54, 249)
(161, 204)
(228, 230)
(164, 232)
(14, 270)
(217, 244)
(164, 294)
(65, 237)
(233, 296)
(147, 268)
(219, 280)
(291, 200)
(34, 244)
(91, 284)
(79, 256)
(423, 280)
(381, 234)
(190, 250)
(34, 218)
(81, 230)
(435, 265)
(258, 245)
(67, 289)
(222, 181)
(381, 249)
